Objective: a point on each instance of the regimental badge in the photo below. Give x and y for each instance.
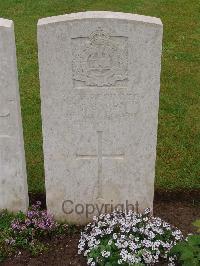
(101, 60)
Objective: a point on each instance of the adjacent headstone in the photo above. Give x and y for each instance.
(13, 181)
(100, 80)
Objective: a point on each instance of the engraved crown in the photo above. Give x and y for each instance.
(99, 37)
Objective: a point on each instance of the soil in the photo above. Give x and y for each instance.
(178, 208)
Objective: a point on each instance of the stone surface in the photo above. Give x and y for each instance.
(13, 181)
(100, 80)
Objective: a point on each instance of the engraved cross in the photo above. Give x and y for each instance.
(100, 156)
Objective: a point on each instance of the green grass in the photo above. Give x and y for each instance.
(5, 222)
(178, 160)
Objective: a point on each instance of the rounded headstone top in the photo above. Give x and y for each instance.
(100, 14)
(6, 23)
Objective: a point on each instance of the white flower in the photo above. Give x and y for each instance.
(110, 242)
(138, 238)
(90, 260)
(151, 235)
(120, 261)
(145, 219)
(105, 254)
(147, 211)
(114, 236)
(133, 246)
(86, 252)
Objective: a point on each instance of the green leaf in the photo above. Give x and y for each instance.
(194, 240)
(102, 248)
(187, 255)
(108, 264)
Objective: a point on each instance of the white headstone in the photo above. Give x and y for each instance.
(100, 80)
(13, 181)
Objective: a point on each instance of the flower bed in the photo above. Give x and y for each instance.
(28, 231)
(128, 239)
(37, 233)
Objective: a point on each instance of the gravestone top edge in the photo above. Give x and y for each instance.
(6, 23)
(100, 15)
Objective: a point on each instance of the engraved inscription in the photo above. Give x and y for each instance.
(100, 60)
(101, 106)
(100, 156)
(4, 121)
(3, 72)
(4, 111)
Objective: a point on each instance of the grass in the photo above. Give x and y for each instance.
(5, 222)
(178, 163)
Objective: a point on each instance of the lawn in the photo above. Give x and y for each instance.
(178, 151)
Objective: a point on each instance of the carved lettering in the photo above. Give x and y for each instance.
(4, 120)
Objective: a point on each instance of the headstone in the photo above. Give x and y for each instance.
(100, 80)
(13, 181)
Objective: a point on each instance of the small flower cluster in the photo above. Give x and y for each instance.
(128, 239)
(27, 231)
(39, 221)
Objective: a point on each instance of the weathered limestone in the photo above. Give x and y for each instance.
(100, 80)
(13, 181)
